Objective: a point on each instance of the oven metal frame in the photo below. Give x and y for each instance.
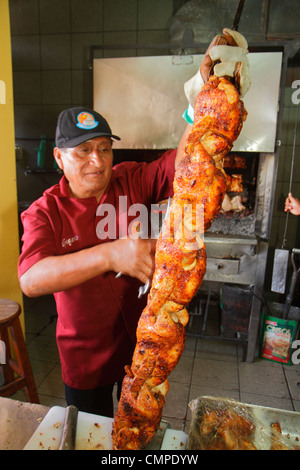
(250, 253)
(242, 260)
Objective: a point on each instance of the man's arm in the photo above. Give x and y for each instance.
(57, 273)
(181, 145)
(192, 88)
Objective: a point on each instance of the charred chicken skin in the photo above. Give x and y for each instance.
(180, 263)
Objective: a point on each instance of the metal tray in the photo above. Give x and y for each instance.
(289, 422)
(262, 417)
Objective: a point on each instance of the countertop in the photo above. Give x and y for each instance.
(18, 421)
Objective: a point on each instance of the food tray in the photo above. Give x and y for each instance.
(261, 416)
(174, 440)
(93, 433)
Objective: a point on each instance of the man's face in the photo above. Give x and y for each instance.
(87, 167)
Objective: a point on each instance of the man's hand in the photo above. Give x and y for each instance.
(292, 205)
(133, 257)
(226, 55)
(231, 60)
(206, 67)
(193, 86)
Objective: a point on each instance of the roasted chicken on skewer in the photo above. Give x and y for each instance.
(180, 262)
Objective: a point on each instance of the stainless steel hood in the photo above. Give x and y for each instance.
(143, 99)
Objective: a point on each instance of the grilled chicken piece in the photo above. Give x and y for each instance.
(226, 430)
(232, 204)
(234, 183)
(199, 188)
(234, 162)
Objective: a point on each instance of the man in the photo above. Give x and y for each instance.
(67, 251)
(64, 253)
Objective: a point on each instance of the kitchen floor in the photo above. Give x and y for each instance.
(207, 367)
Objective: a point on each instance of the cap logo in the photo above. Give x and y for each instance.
(86, 121)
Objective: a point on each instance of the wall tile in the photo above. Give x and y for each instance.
(288, 125)
(55, 51)
(293, 73)
(26, 52)
(27, 87)
(24, 16)
(120, 15)
(86, 16)
(121, 38)
(277, 231)
(285, 164)
(152, 38)
(81, 47)
(31, 186)
(81, 88)
(50, 115)
(55, 16)
(156, 14)
(279, 219)
(56, 86)
(28, 121)
(278, 11)
(281, 193)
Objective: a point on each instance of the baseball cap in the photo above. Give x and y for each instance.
(76, 125)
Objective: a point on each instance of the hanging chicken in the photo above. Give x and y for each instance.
(180, 259)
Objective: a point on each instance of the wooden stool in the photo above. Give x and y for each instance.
(10, 322)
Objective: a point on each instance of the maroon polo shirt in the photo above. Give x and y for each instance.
(97, 319)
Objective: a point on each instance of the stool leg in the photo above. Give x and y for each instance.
(8, 373)
(23, 361)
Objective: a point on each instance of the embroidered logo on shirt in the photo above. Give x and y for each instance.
(86, 121)
(69, 241)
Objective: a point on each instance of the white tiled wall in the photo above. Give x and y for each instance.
(51, 42)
